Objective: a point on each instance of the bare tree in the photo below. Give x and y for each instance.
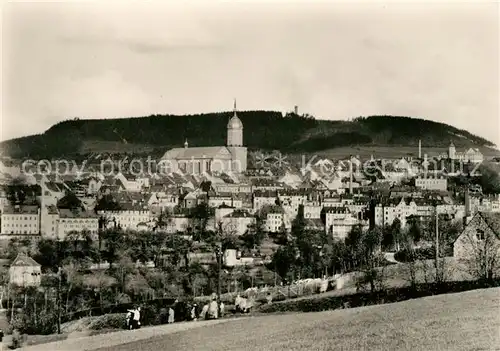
(481, 254)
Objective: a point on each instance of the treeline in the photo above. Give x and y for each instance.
(267, 130)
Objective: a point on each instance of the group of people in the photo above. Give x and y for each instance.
(133, 318)
(187, 312)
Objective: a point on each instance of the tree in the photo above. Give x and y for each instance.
(82, 245)
(72, 271)
(255, 234)
(284, 260)
(115, 242)
(414, 230)
(353, 244)
(483, 254)
(489, 179)
(70, 201)
(372, 260)
(100, 282)
(201, 215)
(392, 235)
(107, 203)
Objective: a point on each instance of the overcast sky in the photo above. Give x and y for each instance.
(435, 61)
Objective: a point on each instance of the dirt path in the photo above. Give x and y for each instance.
(121, 337)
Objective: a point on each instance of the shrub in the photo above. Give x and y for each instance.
(109, 321)
(366, 298)
(424, 253)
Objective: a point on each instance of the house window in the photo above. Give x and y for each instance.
(480, 234)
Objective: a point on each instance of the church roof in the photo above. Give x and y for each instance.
(220, 152)
(234, 123)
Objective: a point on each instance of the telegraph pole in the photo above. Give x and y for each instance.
(59, 300)
(219, 268)
(59, 271)
(437, 244)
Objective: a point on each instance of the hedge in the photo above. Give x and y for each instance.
(325, 303)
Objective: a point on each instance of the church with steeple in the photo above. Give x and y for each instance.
(217, 159)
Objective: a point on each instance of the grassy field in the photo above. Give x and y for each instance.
(464, 321)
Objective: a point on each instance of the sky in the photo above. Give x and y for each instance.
(334, 60)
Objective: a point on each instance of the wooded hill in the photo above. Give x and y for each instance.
(265, 130)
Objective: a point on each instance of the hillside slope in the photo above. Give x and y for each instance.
(263, 130)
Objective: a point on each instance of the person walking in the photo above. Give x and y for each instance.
(129, 318)
(171, 316)
(136, 321)
(194, 312)
(213, 308)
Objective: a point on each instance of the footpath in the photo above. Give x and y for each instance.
(95, 342)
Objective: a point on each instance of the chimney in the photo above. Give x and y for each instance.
(350, 175)
(467, 203)
(419, 148)
(296, 110)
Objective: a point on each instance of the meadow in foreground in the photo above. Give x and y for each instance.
(463, 321)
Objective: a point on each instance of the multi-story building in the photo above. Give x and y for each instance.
(264, 198)
(164, 200)
(312, 209)
(235, 188)
(275, 220)
(400, 208)
(291, 200)
(221, 199)
(130, 216)
(49, 221)
(21, 220)
(339, 221)
(76, 221)
(470, 155)
(429, 183)
(237, 222)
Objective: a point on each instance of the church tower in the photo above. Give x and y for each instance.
(234, 130)
(452, 151)
(235, 144)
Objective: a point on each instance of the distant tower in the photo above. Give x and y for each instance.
(296, 110)
(452, 151)
(186, 144)
(235, 143)
(419, 149)
(350, 175)
(234, 130)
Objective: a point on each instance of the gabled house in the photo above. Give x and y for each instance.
(25, 271)
(480, 239)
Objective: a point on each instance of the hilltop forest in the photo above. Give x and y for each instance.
(264, 130)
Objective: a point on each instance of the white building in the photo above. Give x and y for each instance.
(291, 200)
(129, 217)
(225, 200)
(339, 221)
(312, 210)
(164, 200)
(264, 198)
(430, 183)
(49, 221)
(76, 221)
(237, 222)
(274, 222)
(130, 182)
(400, 208)
(21, 220)
(470, 155)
